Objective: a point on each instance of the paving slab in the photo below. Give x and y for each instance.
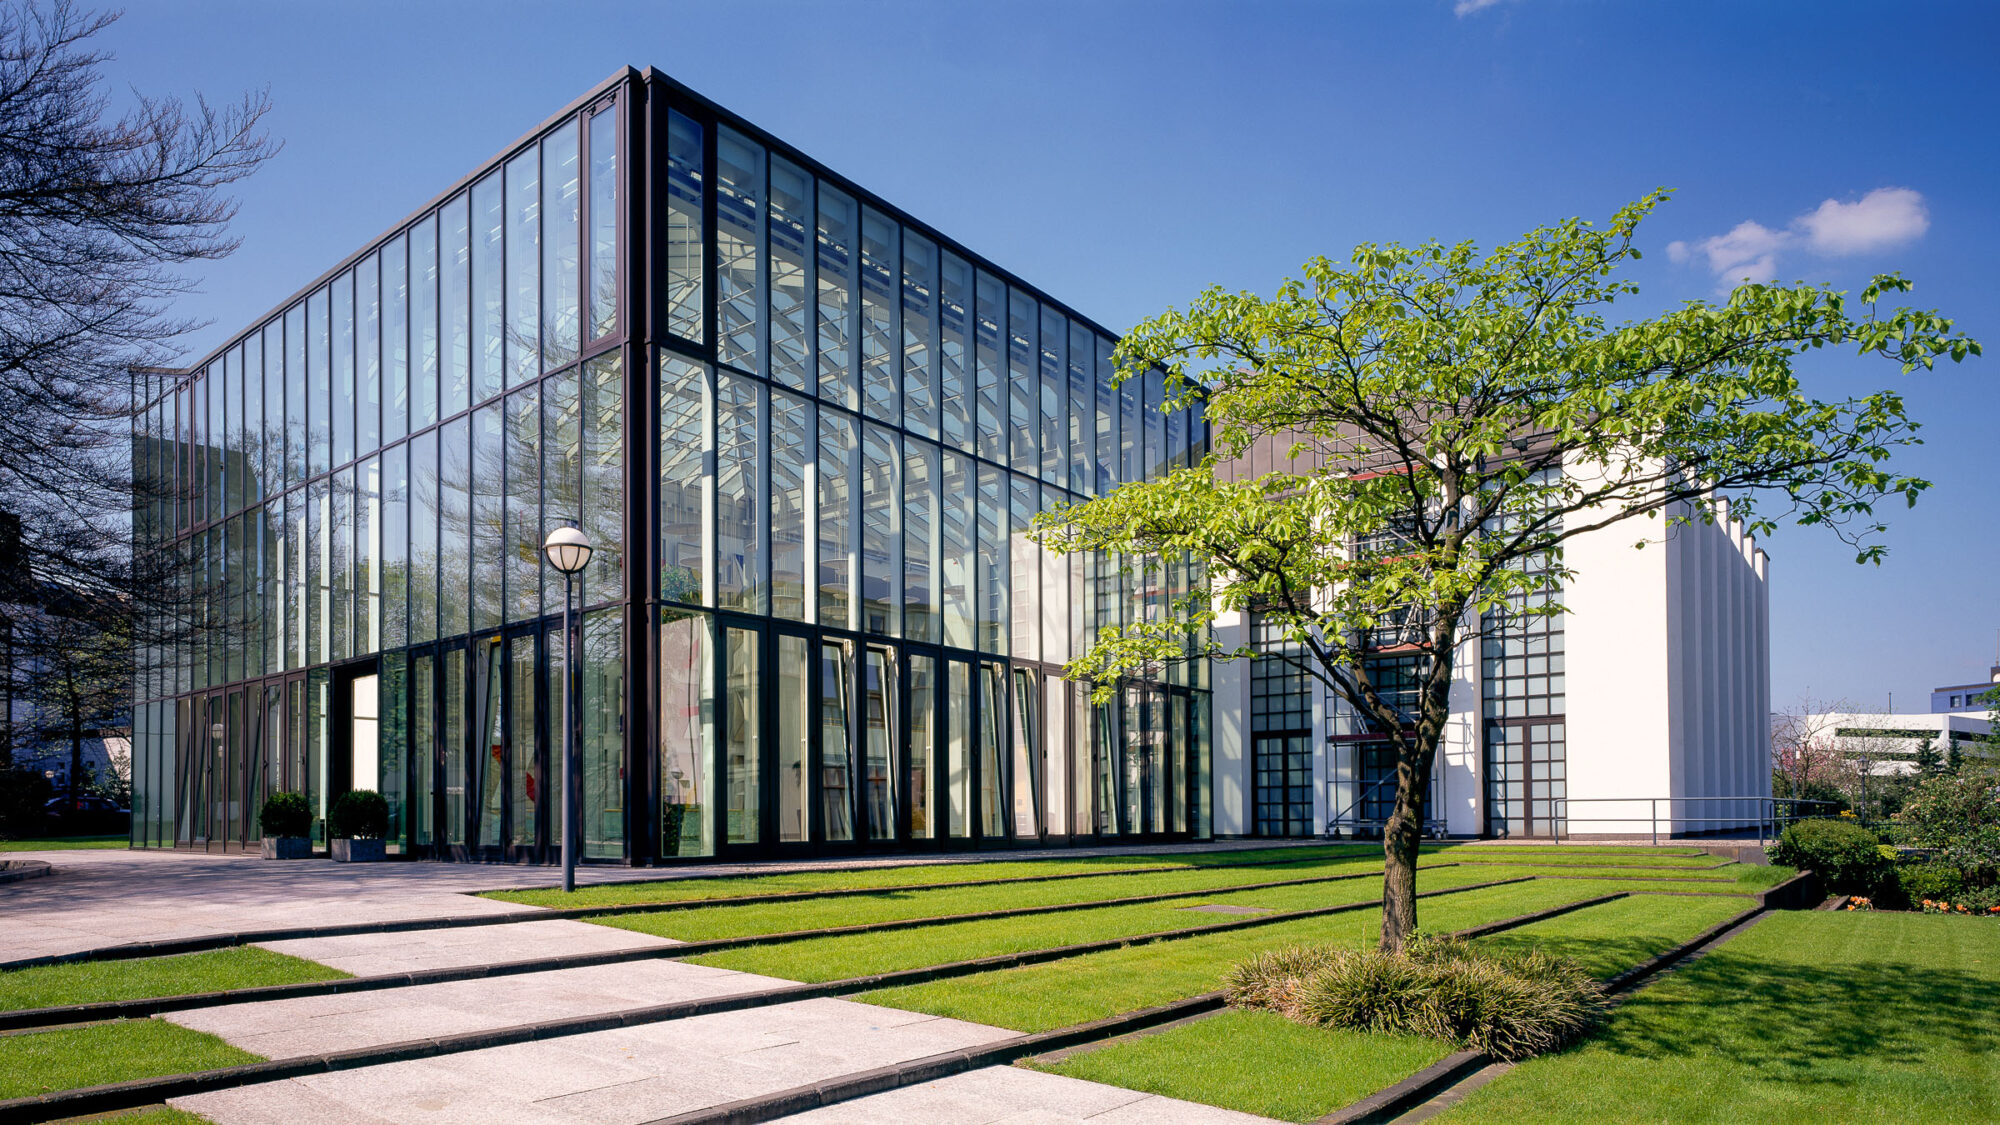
(1018, 1096)
(309, 1025)
(416, 950)
(616, 1077)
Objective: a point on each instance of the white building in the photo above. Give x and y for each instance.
(1884, 743)
(1641, 709)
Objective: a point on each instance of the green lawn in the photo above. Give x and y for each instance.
(892, 905)
(65, 843)
(151, 1115)
(1097, 985)
(837, 958)
(1299, 1073)
(1808, 1017)
(41, 1061)
(87, 982)
(911, 875)
(1614, 936)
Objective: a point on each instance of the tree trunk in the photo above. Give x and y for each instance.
(1400, 839)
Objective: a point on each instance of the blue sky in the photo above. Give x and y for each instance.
(1124, 155)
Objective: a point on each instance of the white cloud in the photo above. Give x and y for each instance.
(1884, 218)
(1881, 219)
(1466, 7)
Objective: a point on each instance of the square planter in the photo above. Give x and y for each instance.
(286, 847)
(356, 851)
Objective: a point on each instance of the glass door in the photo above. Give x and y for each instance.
(880, 747)
(836, 742)
(790, 761)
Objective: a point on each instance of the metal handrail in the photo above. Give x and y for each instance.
(1772, 815)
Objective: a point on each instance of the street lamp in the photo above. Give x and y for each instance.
(568, 550)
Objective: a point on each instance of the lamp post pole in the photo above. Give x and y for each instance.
(568, 549)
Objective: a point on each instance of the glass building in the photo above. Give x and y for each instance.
(805, 432)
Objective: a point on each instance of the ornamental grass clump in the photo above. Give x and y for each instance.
(1508, 1005)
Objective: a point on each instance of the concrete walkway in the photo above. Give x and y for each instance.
(412, 951)
(103, 897)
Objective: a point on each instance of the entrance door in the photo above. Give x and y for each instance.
(1526, 776)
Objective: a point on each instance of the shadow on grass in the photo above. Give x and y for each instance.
(1785, 1022)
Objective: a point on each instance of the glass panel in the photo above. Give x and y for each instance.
(739, 460)
(1055, 396)
(452, 742)
(686, 687)
(739, 228)
(683, 493)
(364, 724)
(1027, 754)
(685, 173)
(276, 562)
(1082, 411)
(489, 225)
(319, 594)
(424, 278)
(604, 476)
(272, 478)
(988, 324)
(455, 251)
(489, 761)
(923, 744)
(920, 402)
(1024, 565)
(319, 382)
(296, 422)
(791, 220)
(921, 621)
(424, 559)
(881, 372)
(881, 531)
(318, 714)
(994, 544)
(250, 425)
(955, 350)
(524, 758)
(792, 453)
(1023, 384)
(1055, 754)
(837, 451)
(343, 368)
(489, 541)
(794, 737)
(368, 357)
(524, 505)
(745, 812)
(836, 775)
(454, 528)
(562, 468)
(604, 228)
(524, 267)
(395, 339)
(297, 625)
(561, 212)
(957, 492)
(878, 716)
(368, 557)
(393, 564)
(393, 747)
(602, 703)
(836, 298)
(1084, 747)
(992, 769)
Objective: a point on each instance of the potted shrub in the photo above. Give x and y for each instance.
(358, 822)
(287, 826)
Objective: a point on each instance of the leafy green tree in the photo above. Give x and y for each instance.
(1453, 419)
(1957, 816)
(1929, 760)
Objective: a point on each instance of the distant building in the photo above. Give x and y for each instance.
(1889, 743)
(1964, 697)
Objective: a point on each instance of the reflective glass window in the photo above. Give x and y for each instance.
(992, 564)
(1055, 397)
(368, 557)
(837, 472)
(454, 527)
(343, 368)
(881, 531)
(921, 619)
(881, 369)
(741, 749)
(685, 176)
(1024, 559)
(1023, 384)
(319, 381)
(794, 704)
(604, 224)
(395, 339)
(523, 332)
(562, 203)
(836, 743)
(1082, 412)
(793, 448)
(920, 392)
(958, 749)
(686, 734)
(251, 424)
(739, 237)
(957, 492)
(455, 295)
(923, 744)
(993, 756)
(739, 493)
(525, 786)
(989, 324)
(562, 473)
(340, 567)
(523, 536)
(835, 277)
(602, 708)
(489, 540)
(683, 443)
(791, 328)
(424, 277)
(424, 563)
(296, 420)
(955, 351)
(879, 720)
(604, 475)
(394, 566)
(489, 294)
(272, 340)
(368, 356)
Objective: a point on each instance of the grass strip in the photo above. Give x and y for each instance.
(839, 958)
(1808, 1017)
(65, 1059)
(1613, 936)
(861, 880)
(65, 843)
(1093, 986)
(90, 982)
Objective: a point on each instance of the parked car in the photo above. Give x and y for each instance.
(87, 815)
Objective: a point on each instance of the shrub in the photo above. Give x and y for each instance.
(1929, 881)
(360, 814)
(286, 814)
(1510, 1006)
(1957, 818)
(1847, 856)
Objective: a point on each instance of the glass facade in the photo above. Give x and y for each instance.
(806, 446)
